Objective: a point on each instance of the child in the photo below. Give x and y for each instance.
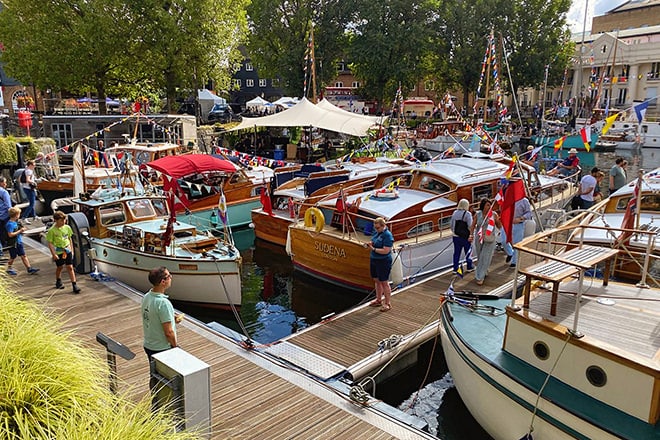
(59, 243)
(15, 242)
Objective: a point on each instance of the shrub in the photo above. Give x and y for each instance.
(52, 387)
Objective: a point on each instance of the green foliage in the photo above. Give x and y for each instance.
(388, 44)
(8, 147)
(125, 48)
(280, 33)
(52, 387)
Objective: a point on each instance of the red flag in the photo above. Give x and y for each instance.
(96, 159)
(341, 203)
(292, 208)
(585, 133)
(169, 229)
(628, 221)
(514, 192)
(265, 201)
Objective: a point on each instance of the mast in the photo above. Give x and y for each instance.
(488, 62)
(313, 60)
(584, 29)
(609, 92)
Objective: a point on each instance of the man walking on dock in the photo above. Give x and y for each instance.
(158, 319)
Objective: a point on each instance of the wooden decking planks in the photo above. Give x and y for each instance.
(351, 337)
(251, 396)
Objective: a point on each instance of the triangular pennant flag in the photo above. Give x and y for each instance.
(608, 123)
(640, 110)
(585, 133)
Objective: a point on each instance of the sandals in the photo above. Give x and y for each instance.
(375, 303)
(480, 282)
(385, 308)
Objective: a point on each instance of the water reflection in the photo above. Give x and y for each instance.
(276, 301)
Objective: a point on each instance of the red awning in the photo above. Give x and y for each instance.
(189, 164)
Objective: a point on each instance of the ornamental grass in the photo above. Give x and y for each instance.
(52, 387)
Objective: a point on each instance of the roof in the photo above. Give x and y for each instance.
(306, 114)
(463, 171)
(634, 4)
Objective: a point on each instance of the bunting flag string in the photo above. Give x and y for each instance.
(96, 154)
(251, 160)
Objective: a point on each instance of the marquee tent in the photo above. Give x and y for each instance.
(306, 114)
(327, 105)
(257, 102)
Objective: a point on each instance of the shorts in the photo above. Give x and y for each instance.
(380, 268)
(65, 259)
(16, 251)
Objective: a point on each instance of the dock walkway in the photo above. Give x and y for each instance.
(253, 397)
(287, 390)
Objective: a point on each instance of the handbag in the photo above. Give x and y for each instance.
(529, 228)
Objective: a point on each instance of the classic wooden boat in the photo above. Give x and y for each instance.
(202, 178)
(128, 236)
(574, 358)
(298, 188)
(331, 245)
(612, 212)
(62, 186)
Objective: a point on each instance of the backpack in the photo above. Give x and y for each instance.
(461, 228)
(23, 178)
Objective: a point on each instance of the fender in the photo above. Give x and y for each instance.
(314, 219)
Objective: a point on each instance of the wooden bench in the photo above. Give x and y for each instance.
(564, 265)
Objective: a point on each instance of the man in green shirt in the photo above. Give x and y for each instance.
(158, 319)
(59, 243)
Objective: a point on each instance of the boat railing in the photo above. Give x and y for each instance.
(566, 251)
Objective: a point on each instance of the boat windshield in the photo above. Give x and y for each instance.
(650, 203)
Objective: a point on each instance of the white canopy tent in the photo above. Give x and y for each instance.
(286, 102)
(207, 100)
(327, 105)
(306, 114)
(258, 103)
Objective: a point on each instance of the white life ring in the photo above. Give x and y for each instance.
(314, 219)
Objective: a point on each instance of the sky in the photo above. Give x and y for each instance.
(575, 15)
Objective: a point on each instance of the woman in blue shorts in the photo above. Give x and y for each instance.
(380, 263)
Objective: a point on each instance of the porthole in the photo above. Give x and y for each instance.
(541, 350)
(596, 376)
(105, 253)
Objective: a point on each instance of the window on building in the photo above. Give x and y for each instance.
(341, 67)
(62, 133)
(356, 84)
(339, 84)
(655, 71)
(262, 83)
(428, 85)
(621, 99)
(249, 67)
(237, 83)
(249, 83)
(275, 82)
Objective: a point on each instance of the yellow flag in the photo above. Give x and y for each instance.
(608, 123)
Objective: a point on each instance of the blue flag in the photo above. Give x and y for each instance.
(640, 110)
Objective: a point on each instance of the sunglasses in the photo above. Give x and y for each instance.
(167, 277)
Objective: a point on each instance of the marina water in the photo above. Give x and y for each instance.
(278, 302)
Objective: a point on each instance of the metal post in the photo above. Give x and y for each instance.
(112, 363)
(649, 246)
(578, 298)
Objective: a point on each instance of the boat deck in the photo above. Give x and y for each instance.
(619, 316)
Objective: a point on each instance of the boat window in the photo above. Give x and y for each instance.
(112, 214)
(430, 184)
(650, 202)
(541, 350)
(142, 157)
(445, 221)
(160, 206)
(141, 208)
(596, 376)
(482, 191)
(420, 229)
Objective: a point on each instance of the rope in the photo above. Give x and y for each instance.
(547, 379)
(390, 343)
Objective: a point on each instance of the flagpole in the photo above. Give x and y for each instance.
(638, 207)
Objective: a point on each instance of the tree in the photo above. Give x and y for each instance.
(534, 34)
(280, 33)
(188, 42)
(389, 41)
(125, 47)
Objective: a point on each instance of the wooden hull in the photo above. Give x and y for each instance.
(343, 260)
(271, 228)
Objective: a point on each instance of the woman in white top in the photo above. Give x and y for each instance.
(30, 190)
